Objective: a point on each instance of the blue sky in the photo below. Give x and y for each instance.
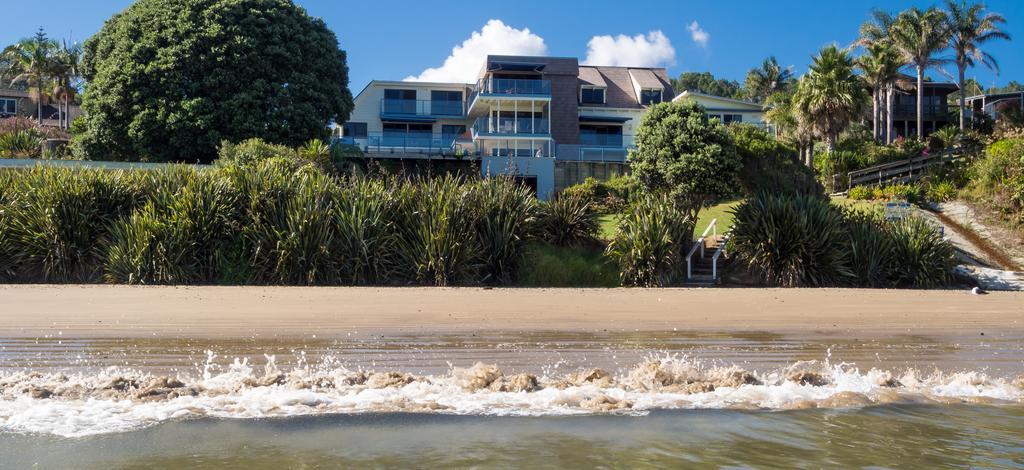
(395, 40)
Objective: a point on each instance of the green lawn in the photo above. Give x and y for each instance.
(719, 211)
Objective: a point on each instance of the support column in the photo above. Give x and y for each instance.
(515, 117)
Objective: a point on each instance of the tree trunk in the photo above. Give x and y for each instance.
(920, 102)
(963, 94)
(877, 128)
(889, 121)
(39, 101)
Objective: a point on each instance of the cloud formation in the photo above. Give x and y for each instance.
(651, 50)
(495, 37)
(698, 34)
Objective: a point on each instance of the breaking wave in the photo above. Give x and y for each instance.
(117, 400)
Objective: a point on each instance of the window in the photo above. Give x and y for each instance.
(8, 106)
(451, 132)
(446, 103)
(591, 95)
(356, 130)
(601, 136)
(650, 96)
(400, 94)
(731, 118)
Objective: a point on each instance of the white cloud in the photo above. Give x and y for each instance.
(698, 34)
(495, 37)
(638, 51)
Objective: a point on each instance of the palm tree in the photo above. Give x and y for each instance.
(790, 122)
(66, 67)
(919, 35)
(880, 67)
(874, 33)
(970, 26)
(831, 94)
(31, 58)
(769, 78)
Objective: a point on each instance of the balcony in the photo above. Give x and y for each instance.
(930, 110)
(424, 143)
(606, 140)
(506, 87)
(422, 108)
(506, 127)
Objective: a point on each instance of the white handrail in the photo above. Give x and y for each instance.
(699, 245)
(718, 253)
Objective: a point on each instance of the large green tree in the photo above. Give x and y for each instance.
(704, 82)
(170, 79)
(681, 152)
(970, 27)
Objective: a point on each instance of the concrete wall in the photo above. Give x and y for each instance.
(541, 168)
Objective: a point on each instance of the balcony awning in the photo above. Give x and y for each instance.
(605, 119)
(405, 118)
(498, 66)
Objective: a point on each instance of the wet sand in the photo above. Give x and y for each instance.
(285, 312)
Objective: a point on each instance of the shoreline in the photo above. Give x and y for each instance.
(282, 312)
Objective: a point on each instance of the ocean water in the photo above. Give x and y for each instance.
(508, 399)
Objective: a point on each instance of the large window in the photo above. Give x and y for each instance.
(8, 106)
(446, 103)
(399, 94)
(400, 101)
(591, 95)
(650, 96)
(601, 136)
(355, 130)
(407, 134)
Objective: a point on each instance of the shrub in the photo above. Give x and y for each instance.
(366, 244)
(506, 213)
(437, 245)
(791, 241)
(860, 193)
(574, 266)
(60, 218)
(941, 191)
(770, 165)
(870, 248)
(651, 242)
(609, 196)
(252, 151)
(21, 144)
(945, 137)
(910, 192)
(920, 257)
(289, 225)
(181, 236)
(569, 219)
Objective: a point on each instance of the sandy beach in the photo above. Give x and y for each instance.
(224, 312)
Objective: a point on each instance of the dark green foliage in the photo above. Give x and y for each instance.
(809, 242)
(59, 220)
(436, 244)
(366, 245)
(506, 216)
(920, 257)
(770, 165)
(569, 219)
(181, 236)
(574, 266)
(791, 241)
(651, 242)
(681, 152)
(706, 83)
(607, 197)
(170, 79)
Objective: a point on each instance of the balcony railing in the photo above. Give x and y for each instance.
(407, 142)
(510, 126)
(511, 87)
(606, 140)
(423, 108)
(930, 110)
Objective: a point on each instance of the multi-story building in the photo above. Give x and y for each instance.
(547, 120)
(996, 104)
(18, 103)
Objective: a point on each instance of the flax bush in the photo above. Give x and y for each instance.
(650, 243)
(181, 235)
(366, 243)
(506, 214)
(569, 219)
(437, 245)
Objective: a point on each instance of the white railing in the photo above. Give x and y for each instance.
(699, 245)
(718, 254)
